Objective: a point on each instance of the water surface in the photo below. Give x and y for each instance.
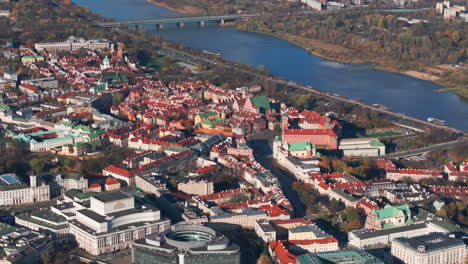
(400, 92)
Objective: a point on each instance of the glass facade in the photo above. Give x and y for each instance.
(145, 256)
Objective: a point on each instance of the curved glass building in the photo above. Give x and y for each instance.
(185, 243)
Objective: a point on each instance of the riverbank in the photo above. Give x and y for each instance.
(348, 55)
(177, 7)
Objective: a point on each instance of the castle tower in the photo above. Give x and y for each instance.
(276, 146)
(284, 122)
(33, 180)
(105, 64)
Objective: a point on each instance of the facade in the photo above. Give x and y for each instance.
(365, 237)
(265, 230)
(185, 243)
(321, 138)
(31, 59)
(112, 223)
(362, 147)
(196, 187)
(49, 82)
(314, 4)
(73, 44)
(13, 191)
(415, 175)
(430, 248)
(301, 150)
(390, 216)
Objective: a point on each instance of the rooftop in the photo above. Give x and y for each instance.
(344, 256)
(431, 242)
(111, 196)
(366, 233)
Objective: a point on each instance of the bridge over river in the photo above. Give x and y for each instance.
(175, 20)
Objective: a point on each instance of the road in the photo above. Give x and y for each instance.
(192, 59)
(261, 144)
(402, 154)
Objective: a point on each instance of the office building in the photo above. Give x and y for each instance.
(185, 243)
(431, 248)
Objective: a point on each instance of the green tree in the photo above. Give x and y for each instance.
(37, 165)
(117, 98)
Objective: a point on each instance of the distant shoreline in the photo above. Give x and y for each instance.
(188, 10)
(321, 49)
(324, 50)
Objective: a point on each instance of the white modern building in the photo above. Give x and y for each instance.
(362, 147)
(99, 223)
(112, 223)
(431, 248)
(366, 237)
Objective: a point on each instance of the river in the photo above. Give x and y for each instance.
(400, 92)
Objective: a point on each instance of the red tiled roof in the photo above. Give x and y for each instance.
(326, 240)
(224, 194)
(415, 172)
(292, 221)
(281, 253)
(273, 210)
(111, 181)
(206, 169)
(30, 87)
(298, 131)
(95, 185)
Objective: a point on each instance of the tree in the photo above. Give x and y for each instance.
(174, 183)
(67, 163)
(117, 98)
(335, 206)
(200, 67)
(37, 165)
(264, 259)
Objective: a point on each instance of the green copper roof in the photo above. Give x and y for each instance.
(84, 128)
(261, 101)
(4, 107)
(208, 114)
(339, 257)
(99, 87)
(208, 122)
(376, 143)
(300, 146)
(391, 211)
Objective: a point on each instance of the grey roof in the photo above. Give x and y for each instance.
(93, 215)
(430, 242)
(366, 234)
(111, 196)
(308, 228)
(49, 215)
(265, 225)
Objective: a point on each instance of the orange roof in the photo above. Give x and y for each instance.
(325, 240)
(111, 181)
(293, 220)
(281, 253)
(273, 210)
